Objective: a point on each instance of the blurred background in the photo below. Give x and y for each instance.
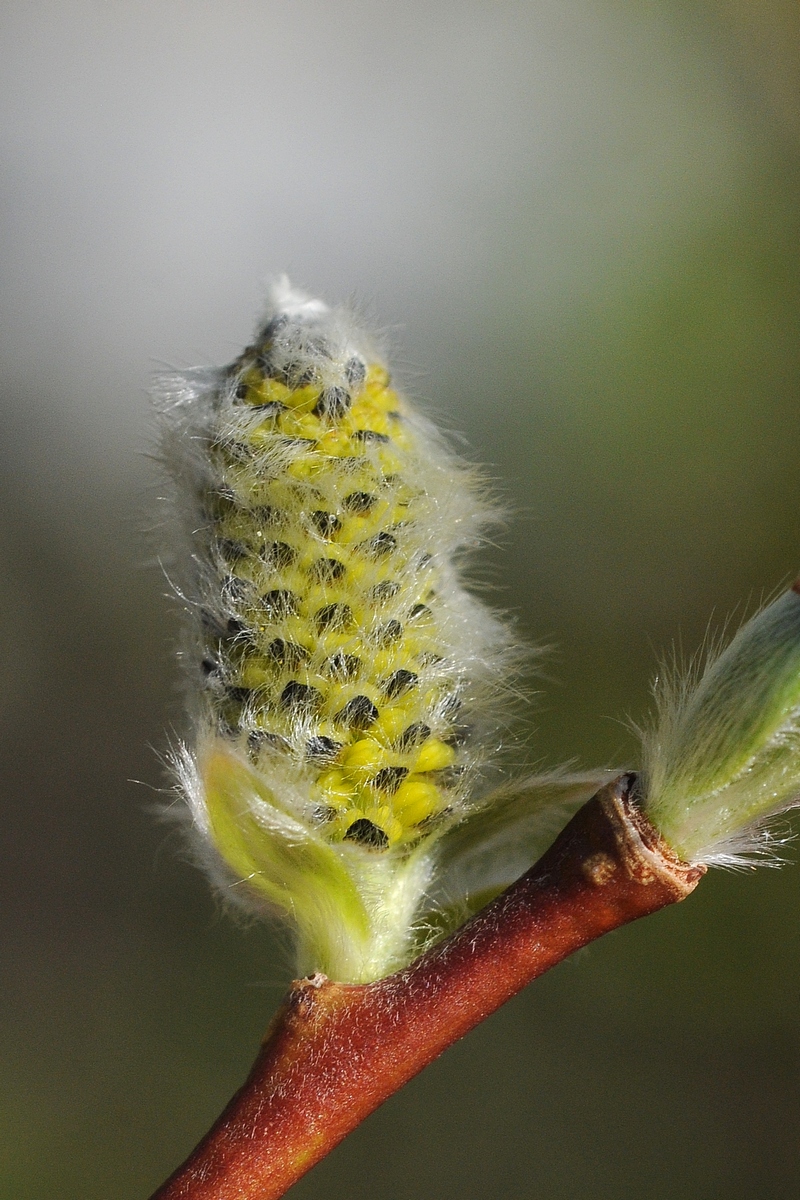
(578, 221)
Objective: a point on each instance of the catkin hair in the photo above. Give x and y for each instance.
(331, 642)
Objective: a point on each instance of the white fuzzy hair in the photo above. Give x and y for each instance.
(722, 758)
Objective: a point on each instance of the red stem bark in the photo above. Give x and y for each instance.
(334, 1051)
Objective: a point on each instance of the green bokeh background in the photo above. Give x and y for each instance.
(580, 223)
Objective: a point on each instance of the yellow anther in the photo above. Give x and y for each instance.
(260, 436)
(299, 424)
(303, 398)
(385, 819)
(434, 756)
(302, 468)
(265, 391)
(415, 800)
(337, 697)
(378, 400)
(377, 377)
(365, 754)
(370, 417)
(389, 461)
(256, 673)
(253, 377)
(335, 787)
(392, 722)
(335, 443)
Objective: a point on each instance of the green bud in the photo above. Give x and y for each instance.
(724, 755)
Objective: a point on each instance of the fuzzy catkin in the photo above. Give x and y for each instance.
(333, 646)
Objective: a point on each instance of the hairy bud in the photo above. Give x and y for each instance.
(724, 755)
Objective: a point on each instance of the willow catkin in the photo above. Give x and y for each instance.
(333, 647)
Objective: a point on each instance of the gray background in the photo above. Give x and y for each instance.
(578, 221)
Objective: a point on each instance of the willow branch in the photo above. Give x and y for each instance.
(334, 1051)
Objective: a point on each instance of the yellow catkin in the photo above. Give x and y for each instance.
(330, 643)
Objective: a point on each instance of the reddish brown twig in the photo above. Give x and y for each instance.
(334, 1052)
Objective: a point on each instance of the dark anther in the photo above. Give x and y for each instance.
(322, 749)
(296, 442)
(342, 667)
(287, 654)
(270, 409)
(300, 698)
(356, 372)
(384, 591)
(414, 735)
(304, 377)
(358, 713)
(424, 560)
(322, 813)
(272, 327)
(208, 666)
(402, 681)
(359, 502)
(449, 777)
(265, 516)
(234, 590)
(241, 391)
(218, 504)
(280, 603)
(230, 550)
(327, 570)
(326, 524)
(333, 402)
(459, 738)
(318, 345)
(260, 739)
(418, 611)
(450, 705)
(389, 633)
(334, 616)
(382, 544)
(367, 834)
(395, 415)
(278, 555)
(389, 779)
(239, 695)
(370, 435)
(434, 819)
(266, 363)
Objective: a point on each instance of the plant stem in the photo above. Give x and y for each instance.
(334, 1051)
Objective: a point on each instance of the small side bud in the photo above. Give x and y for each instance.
(724, 754)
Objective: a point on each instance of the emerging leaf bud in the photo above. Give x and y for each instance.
(724, 755)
